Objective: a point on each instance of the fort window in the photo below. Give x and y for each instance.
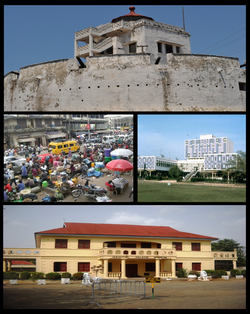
(169, 48)
(159, 46)
(242, 86)
(132, 48)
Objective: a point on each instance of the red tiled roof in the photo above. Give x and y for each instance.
(132, 15)
(21, 263)
(72, 228)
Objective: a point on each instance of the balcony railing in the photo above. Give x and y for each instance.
(135, 253)
(224, 254)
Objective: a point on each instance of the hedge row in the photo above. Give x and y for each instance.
(40, 275)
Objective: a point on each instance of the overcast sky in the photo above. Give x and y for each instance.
(21, 222)
(40, 33)
(166, 133)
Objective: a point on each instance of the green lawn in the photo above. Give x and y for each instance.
(162, 192)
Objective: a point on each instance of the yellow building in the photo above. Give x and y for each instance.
(124, 251)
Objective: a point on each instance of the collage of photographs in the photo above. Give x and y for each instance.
(124, 157)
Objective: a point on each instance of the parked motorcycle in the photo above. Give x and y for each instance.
(91, 192)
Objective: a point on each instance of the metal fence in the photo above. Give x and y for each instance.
(117, 288)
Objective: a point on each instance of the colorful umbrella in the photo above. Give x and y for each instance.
(122, 152)
(120, 165)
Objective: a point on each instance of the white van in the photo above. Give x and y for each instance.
(106, 139)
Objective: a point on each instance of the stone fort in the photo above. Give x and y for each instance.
(132, 63)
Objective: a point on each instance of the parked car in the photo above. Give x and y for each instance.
(16, 165)
(42, 157)
(11, 158)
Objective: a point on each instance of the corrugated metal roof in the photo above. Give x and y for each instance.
(122, 230)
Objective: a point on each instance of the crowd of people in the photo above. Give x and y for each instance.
(34, 172)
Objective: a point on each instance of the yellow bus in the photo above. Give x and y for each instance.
(58, 148)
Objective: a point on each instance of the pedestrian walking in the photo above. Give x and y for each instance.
(24, 173)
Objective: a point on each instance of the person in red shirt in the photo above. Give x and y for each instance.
(8, 187)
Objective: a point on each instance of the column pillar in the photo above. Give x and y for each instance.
(157, 267)
(173, 268)
(123, 268)
(105, 268)
(4, 265)
(90, 45)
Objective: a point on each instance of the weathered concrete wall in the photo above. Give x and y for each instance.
(127, 83)
(198, 82)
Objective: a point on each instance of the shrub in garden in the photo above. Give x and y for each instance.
(77, 276)
(66, 275)
(215, 273)
(37, 275)
(182, 273)
(25, 275)
(53, 276)
(243, 272)
(235, 272)
(10, 275)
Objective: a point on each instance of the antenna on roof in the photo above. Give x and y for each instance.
(183, 17)
(64, 223)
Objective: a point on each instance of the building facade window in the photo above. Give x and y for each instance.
(61, 243)
(223, 265)
(178, 246)
(82, 267)
(196, 266)
(83, 244)
(150, 266)
(60, 266)
(196, 246)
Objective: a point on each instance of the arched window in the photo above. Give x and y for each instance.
(133, 252)
(125, 252)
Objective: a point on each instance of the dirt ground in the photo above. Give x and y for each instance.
(124, 197)
(175, 294)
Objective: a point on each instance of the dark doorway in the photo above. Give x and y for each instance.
(131, 270)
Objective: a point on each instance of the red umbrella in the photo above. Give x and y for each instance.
(120, 165)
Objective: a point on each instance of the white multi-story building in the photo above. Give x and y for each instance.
(209, 153)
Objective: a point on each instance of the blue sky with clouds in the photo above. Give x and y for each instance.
(166, 133)
(21, 222)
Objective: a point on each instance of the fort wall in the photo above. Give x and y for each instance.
(128, 82)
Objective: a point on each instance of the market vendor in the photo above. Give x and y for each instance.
(111, 187)
(20, 186)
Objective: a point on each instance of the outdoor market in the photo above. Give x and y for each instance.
(97, 169)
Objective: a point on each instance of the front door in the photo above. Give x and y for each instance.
(131, 270)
